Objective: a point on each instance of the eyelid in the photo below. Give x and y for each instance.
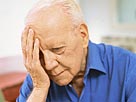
(58, 50)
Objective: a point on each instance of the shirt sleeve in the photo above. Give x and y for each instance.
(25, 89)
(131, 81)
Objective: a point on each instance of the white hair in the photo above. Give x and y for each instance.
(70, 7)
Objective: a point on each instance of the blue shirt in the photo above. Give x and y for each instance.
(110, 77)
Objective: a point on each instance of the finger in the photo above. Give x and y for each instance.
(24, 41)
(30, 44)
(36, 52)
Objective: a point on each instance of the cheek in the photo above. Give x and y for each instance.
(74, 59)
(78, 57)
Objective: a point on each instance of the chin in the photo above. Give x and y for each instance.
(63, 82)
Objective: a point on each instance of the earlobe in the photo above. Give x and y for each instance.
(85, 44)
(84, 34)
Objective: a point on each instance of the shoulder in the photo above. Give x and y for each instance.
(121, 64)
(115, 52)
(25, 89)
(117, 58)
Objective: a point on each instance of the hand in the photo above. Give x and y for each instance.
(30, 48)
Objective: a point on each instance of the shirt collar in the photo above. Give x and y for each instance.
(94, 59)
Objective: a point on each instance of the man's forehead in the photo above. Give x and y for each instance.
(53, 42)
(50, 24)
(52, 21)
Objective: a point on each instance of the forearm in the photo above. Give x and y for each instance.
(38, 95)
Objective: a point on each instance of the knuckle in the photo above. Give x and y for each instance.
(27, 64)
(26, 49)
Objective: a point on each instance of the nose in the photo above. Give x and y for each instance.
(50, 60)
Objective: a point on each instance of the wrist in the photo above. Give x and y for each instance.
(41, 89)
(42, 86)
(38, 94)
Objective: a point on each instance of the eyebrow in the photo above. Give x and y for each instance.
(51, 46)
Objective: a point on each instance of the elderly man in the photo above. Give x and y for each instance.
(64, 66)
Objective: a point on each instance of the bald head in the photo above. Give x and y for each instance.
(50, 21)
(55, 17)
(69, 7)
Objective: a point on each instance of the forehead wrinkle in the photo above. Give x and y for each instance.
(55, 41)
(51, 42)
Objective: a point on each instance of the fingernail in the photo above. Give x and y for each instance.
(30, 31)
(37, 41)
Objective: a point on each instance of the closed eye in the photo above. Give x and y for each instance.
(58, 50)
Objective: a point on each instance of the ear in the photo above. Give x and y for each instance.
(84, 34)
